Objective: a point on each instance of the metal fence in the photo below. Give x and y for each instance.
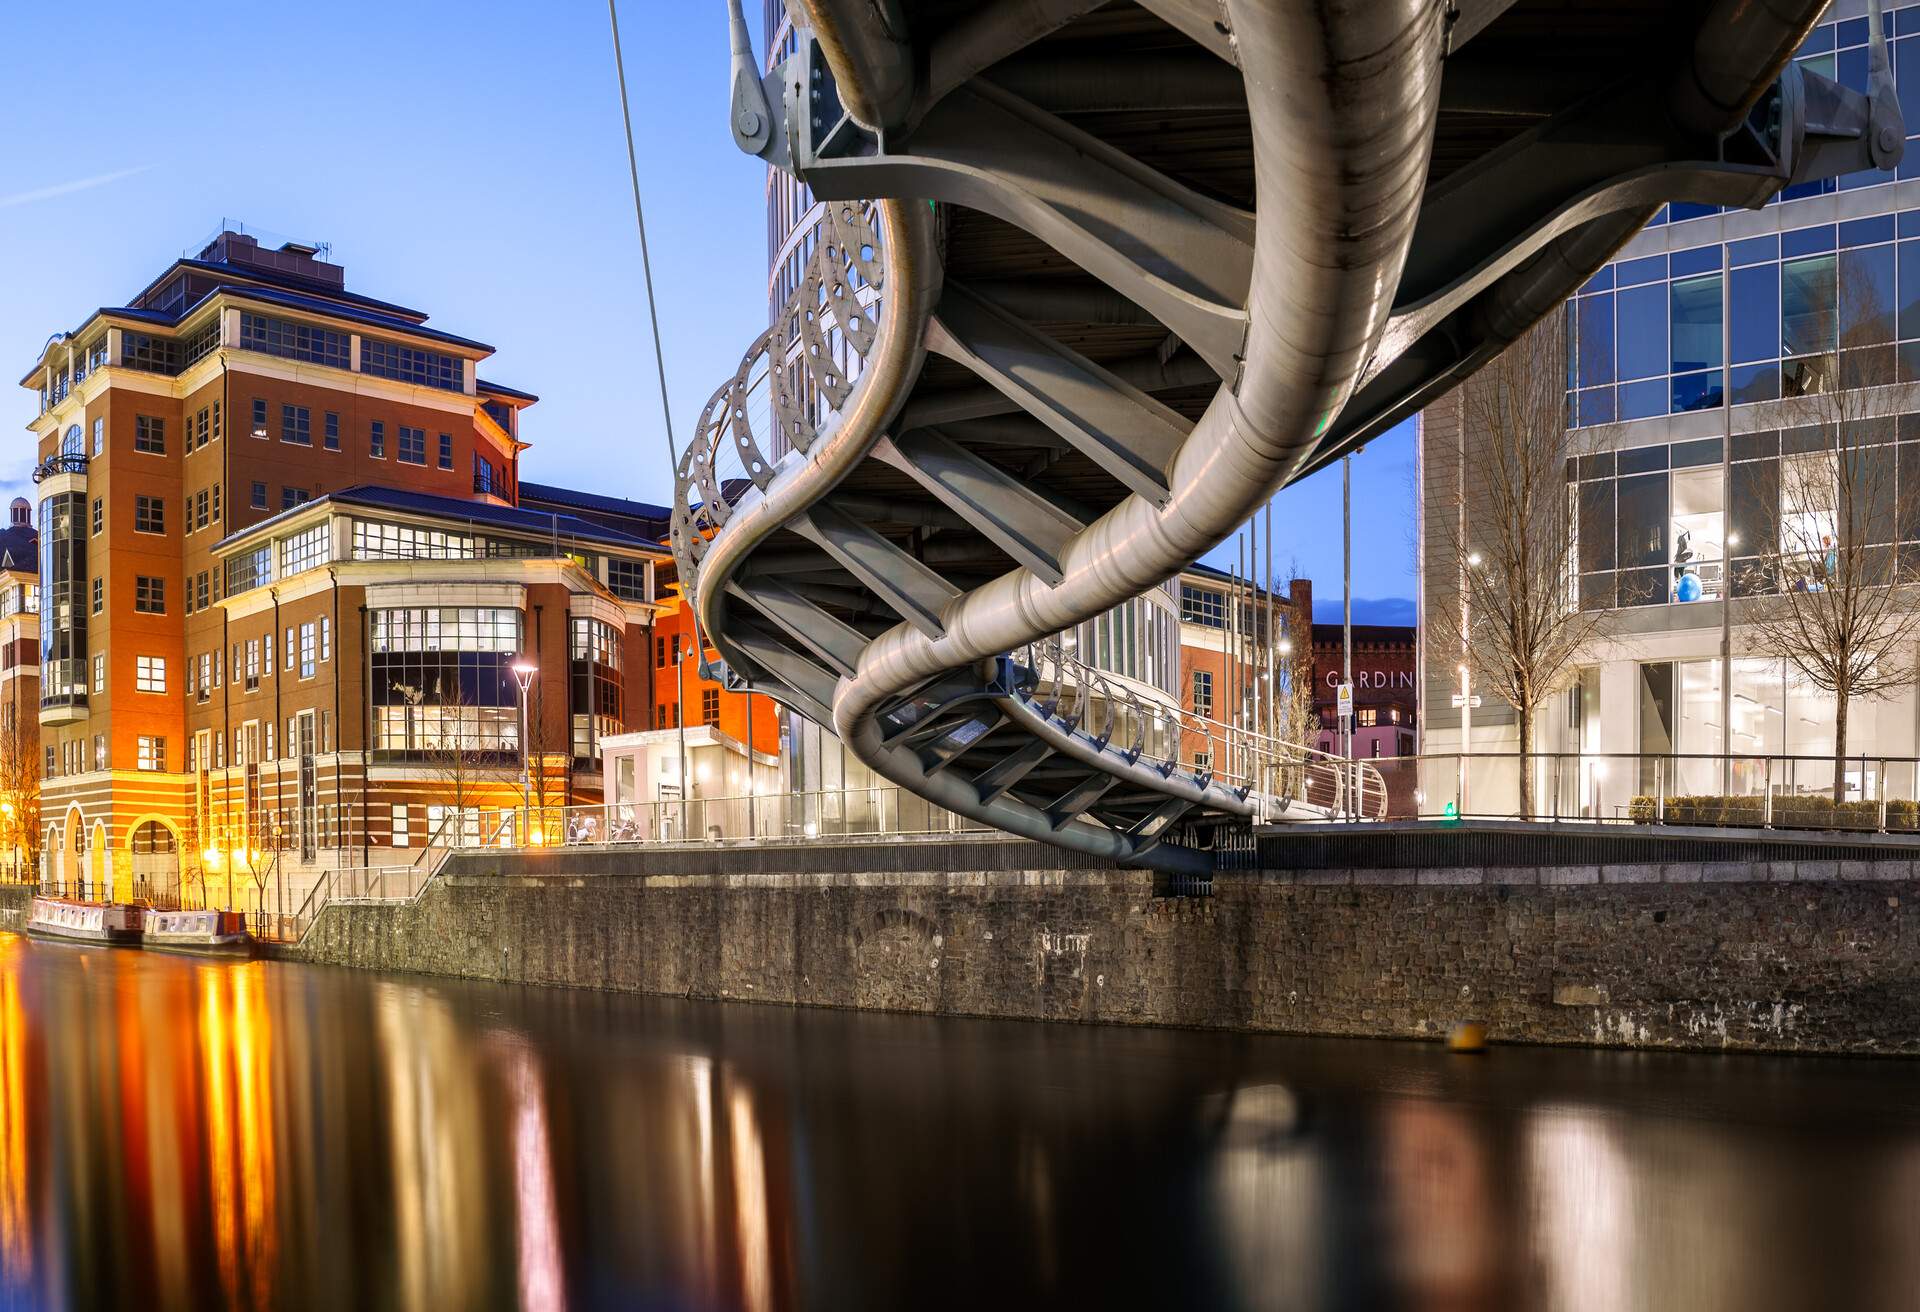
(876, 812)
(1876, 793)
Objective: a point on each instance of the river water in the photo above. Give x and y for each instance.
(184, 1134)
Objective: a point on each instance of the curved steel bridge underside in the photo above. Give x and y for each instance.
(1114, 273)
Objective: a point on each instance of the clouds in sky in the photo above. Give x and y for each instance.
(68, 188)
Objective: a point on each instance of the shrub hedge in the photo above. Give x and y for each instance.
(1790, 811)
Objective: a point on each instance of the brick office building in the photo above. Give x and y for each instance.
(286, 567)
(1216, 670)
(1385, 695)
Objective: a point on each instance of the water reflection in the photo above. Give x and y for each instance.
(178, 1134)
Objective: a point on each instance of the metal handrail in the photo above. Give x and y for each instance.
(1271, 770)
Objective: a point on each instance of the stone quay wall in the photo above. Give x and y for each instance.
(13, 905)
(1811, 955)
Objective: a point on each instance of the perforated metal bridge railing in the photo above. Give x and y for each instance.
(1096, 279)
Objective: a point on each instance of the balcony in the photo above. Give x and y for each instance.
(67, 462)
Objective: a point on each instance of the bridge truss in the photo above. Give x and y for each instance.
(1097, 278)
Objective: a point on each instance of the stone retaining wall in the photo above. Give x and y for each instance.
(13, 905)
(1807, 956)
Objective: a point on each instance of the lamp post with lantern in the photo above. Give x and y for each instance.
(523, 672)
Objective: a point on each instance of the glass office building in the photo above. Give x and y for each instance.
(1700, 363)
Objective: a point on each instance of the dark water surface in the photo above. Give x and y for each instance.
(180, 1134)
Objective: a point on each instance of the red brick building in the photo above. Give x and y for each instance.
(287, 568)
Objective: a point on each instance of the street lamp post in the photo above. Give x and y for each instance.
(1465, 700)
(523, 672)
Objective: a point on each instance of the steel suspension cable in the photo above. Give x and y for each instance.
(640, 220)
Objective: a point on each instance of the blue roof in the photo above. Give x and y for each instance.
(501, 389)
(319, 305)
(567, 496)
(478, 514)
(283, 279)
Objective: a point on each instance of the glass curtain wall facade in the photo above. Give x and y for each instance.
(1703, 364)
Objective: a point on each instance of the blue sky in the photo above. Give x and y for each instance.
(465, 159)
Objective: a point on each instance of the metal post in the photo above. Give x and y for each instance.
(1883, 795)
(523, 672)
(1557, 772)
(680, 723)
(1660, 789)
(1346, 594)
(1766, 817)
(1726, 519)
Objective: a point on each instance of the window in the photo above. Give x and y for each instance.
(304, 551)
(149, 674)
(152, 753)
(149, 594)
(51, 758)
(197, 436)
(154, 355)
(662, 653)
(150, 435)
(410, 365)
(1202, 762)
(294, 496)
(99, 595)
(259, 495)
(288, 664)
(399, 827)
(442, 675)
(326, 638)
(377, 541)
(100, 436)
(149, 514)
(260, 416)
(99, 751)
(627, 579)
(266, 655)
(201, 597)
(99, 515)
(377, 440)
(199, 504)
(296, 425)
(253, 664)
(1203, 606)
(331, 437)
(249, 570)
(709, 706)
(216, 503)
(216, 421)
(99, 671)
(446, 450)
(294, 341)
(413, 445)
(309, 647)
(1203, 693)
(597, 694)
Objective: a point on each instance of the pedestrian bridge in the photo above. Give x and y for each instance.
(1095, 280)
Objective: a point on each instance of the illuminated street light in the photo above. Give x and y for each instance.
(523, 672)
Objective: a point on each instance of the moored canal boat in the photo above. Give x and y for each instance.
(203, 933)
(102, 924)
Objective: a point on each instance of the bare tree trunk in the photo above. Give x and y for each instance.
(1840, 746)
(1526, 761)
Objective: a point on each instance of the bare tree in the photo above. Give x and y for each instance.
(20, 789)
(468, 766)
(1512, 611)
(1295, 698)
(1830, 593)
